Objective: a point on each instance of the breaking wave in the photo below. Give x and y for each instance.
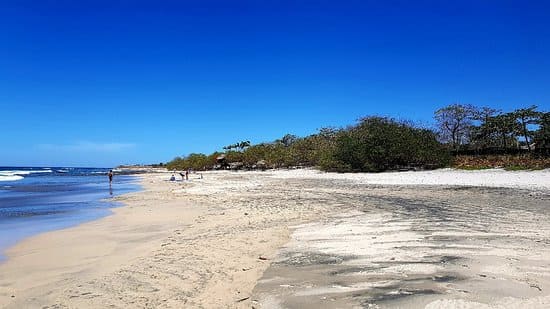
(13, 175)
(10, 178)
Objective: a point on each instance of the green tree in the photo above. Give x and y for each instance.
(526, 117)
(504, 128)
(255, 153)
(287, 140)
(234, 156)
(484, 135)
(240, 146)
(542, 136)
(378, 143)
(197, 161)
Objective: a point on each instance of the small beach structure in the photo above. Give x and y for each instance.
(221, 162)
(262, 164)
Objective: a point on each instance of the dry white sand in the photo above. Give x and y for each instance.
(539, 179)
(197, 244)
(446, 246)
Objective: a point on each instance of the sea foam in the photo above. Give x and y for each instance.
(10, 178)
(13, 175)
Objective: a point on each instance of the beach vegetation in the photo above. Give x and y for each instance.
(506, 161)
(465, 136)
(240, 146)
(542, 136)
(455, 122)
(194, 161)
(378, 143)
(526, 117)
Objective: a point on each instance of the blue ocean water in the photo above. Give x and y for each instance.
(38, 199)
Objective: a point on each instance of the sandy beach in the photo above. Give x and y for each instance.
(300, 239)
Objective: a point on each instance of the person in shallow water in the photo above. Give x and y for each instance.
(110, 176)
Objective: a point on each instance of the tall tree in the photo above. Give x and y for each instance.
(504, 127)
(526, 117)
(454, 123)
(288, 140)
(239, 146)
(483, 135)
(542, 136)
(242, 145)
(483, 114)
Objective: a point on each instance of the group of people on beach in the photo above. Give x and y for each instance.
(184, 176)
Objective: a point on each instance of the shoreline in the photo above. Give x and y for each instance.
(198, 243)
(43, 259)
(102, 263)
(89, 207)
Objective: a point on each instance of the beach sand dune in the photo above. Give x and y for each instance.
(298, 239)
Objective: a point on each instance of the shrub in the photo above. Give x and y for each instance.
(377, 144)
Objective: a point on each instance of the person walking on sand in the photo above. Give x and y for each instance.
(110, 176)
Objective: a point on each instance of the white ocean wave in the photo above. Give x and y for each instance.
(10, 178)
(21, 173)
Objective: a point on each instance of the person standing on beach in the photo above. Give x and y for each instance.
(110, 176)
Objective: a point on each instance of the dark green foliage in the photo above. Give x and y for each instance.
(234, 156)
(195, 161)
(287, 140)
(501, 130)
(524, 118)
(239, 146)
(542, 136)
(378, 144)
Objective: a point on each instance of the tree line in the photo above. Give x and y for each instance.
(377, 144)
(471, 129)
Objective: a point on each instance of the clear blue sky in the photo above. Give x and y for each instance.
(91, 83)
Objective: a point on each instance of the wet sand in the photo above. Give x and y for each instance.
(197, 244)
(296, 239)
